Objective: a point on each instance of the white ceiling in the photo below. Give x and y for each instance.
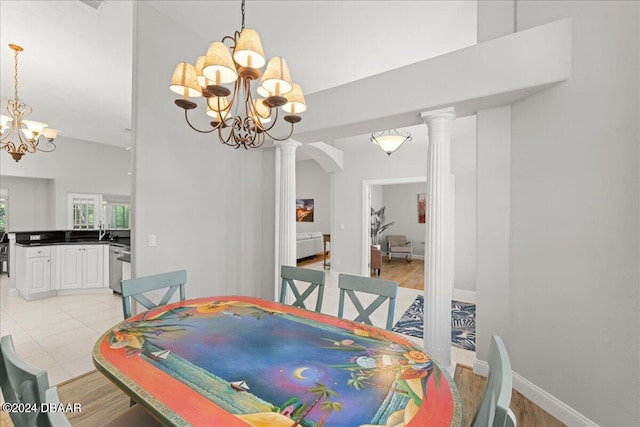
(76, 67)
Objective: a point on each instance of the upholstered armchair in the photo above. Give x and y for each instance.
(398, 244)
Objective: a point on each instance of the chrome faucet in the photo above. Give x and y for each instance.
(102, 232)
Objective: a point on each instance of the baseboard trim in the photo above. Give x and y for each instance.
(84, 291)
(464, 296)
(554, 406)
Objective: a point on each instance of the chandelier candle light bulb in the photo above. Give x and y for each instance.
(17, 135)
(238, 64)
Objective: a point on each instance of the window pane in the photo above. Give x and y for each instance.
(83, 213)
(119, 216)
(4, 208)
(3, 216)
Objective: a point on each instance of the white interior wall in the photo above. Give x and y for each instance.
(364, 161)
(574, 218)
(463, 166)
(401, 207)
(75, 167)
(377, 200)
(493, 227)
(312, 182)
(31, 203)
(202, 200)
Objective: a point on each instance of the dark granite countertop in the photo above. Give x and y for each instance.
(119, 238)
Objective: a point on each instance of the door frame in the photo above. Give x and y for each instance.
(366, 213)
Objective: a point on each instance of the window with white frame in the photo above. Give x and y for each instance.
(4, 209)
(84, 212)
(115, 211)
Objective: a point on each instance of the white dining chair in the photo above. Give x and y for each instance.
(291, 278)
(385, 289)
(494, 407)
(22, 383)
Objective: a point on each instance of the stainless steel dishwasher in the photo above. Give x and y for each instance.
(115, 268)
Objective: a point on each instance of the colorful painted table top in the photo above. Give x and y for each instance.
(239, 361)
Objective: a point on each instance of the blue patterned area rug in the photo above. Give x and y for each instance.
(463, 323)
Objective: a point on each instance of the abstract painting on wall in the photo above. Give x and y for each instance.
(422, 208)
(304, 210)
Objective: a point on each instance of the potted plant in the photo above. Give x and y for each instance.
(378, 226)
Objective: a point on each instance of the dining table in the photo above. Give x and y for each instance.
(244, 361)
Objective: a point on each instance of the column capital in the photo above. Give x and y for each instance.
(448, 112)
(291, 143)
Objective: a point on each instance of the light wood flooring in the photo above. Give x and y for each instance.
(407, 274)
(101, 400)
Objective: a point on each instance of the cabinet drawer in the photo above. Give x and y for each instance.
(38, 251)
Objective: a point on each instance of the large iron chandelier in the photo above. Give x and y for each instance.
(21, 136)
(239, 118)
(389, 140)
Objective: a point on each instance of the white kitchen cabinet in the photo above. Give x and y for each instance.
(34, 271)
(82, 266)
(39, 274)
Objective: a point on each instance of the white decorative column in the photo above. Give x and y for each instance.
(438, 260)
(287, 214)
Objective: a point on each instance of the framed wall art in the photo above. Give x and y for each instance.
(422, 208)
(304, 210)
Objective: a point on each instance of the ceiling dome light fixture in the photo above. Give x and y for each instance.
(389, 140)
(240, 119)
(25, 133)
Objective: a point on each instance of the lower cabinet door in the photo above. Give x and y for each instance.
(93, 273)
(38, 274)
(71, 269)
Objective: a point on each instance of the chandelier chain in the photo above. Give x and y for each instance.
(242, 8)
(15, 76)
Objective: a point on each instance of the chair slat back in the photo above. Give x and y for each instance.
(314, 278)
(136, 288)
(494, 406)
(22, 383)
(385, 289)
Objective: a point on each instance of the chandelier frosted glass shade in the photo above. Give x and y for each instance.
(227, 76)
(19, 136)
(390, 140)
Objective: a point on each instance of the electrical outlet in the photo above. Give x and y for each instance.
(152, 240)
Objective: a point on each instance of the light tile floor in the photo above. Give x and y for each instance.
(58, 333)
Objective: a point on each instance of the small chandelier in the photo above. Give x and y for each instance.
(389, 140)
(19, 136)
(241, 120)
